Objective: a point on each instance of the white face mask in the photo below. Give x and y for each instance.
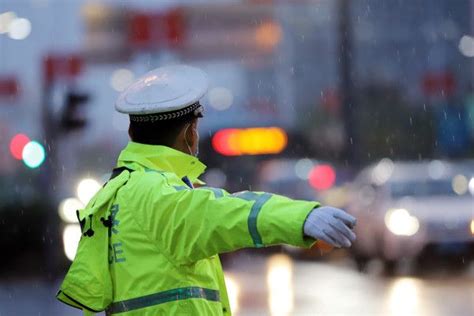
(187, 144)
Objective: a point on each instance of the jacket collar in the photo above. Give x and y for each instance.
(161, 158)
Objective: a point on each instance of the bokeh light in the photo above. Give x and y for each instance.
(466, 46)
(383, 171)
(6, 19)
(121, 79)
(33, 154)
(220, 98)
(67, 209)
(460, 184)
(280, 285)
(303, 168)
(71, 236)
(322, 177)
(471, 186)
(401, 223)
(268, 35)
(86, 189)
(17, 144)
(19, 29)
(250, 141)
(404, 297)
(436, 169)
(233, 291)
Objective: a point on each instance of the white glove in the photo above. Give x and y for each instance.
(331, 225)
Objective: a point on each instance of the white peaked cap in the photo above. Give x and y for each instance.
(169, 92)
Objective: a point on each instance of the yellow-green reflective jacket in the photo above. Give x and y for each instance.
(150, 241)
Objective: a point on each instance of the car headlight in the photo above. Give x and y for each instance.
(86, 189)
(400, 222)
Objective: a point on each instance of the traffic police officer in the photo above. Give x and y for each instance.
(151, 240)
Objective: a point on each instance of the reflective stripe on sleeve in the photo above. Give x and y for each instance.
(163, 297)
(260, 200)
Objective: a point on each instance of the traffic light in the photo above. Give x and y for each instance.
(33, 154)
(73, 116)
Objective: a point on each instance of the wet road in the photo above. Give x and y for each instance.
(280, 286)
(277, 285)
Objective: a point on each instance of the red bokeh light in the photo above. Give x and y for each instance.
(222, 144)
(17, 144)
(322, 177)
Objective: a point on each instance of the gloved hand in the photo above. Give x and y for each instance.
(331, 225)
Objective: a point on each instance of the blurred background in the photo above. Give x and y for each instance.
(366, 105)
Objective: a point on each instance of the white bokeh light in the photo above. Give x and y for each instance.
(303, 168)
(220, 98)
(436, 169)
(466, 46)
(471, 186)
(401, 223)
(233, 291)
(404, 297)
(460, 184)
(5, 20)
(383, 171)
(67, 209)
(121, 79)
(33, 154)
(71, 236)
(19, 29)
(86, 189)
(280, 285)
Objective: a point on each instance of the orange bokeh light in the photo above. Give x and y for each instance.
(250, 141)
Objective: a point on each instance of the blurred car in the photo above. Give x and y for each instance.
(403, 208)
(304, 179)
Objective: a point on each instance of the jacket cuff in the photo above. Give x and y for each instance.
(282, 222)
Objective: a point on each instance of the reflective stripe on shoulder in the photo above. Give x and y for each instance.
(163, 297)
(218, 193)
(180, 187)
(260, 200)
